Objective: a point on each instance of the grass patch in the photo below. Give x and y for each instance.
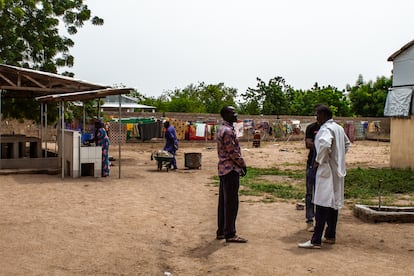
(252, 184)
(364, 183)
(361, 184)
(256, 172)
(285, 164)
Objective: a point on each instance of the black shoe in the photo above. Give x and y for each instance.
(328, 240)
(236, 239)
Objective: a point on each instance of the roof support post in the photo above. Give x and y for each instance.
(1, 118)
(46, 129)
(119, 138)
(84, 117)
(41, 122)
(62, 150)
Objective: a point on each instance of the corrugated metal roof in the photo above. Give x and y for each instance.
(127, 105)
(126, 102)
(403, 49)
(48, 87)
(22, 82)
(83, 95)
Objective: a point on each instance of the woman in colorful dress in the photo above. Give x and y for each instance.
(101, 139)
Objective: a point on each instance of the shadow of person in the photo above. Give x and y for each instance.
(300, 236)
(206, 249)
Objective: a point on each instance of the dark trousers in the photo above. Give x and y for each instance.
(174, 161)
(328, 216)
(310, 188)
(228, 204)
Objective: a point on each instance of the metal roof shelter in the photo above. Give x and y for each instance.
(84, 95)
(27, 83)
(16, 82)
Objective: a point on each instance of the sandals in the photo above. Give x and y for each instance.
(236, 239)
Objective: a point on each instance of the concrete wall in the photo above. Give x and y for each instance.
(50, 163)
(383, 135)
(30, 128)
(402, 141)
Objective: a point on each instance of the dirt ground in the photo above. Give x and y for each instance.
(161, 223)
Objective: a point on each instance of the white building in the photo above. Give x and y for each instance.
(400, 107)
(128, 104)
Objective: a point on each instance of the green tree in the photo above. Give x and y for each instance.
(214, 96)
(200, 98)
(161, 102)
(368, 99)
(137, 95)
(302, 103)
(29, 32)
(269, 98)
(333, 98)
(250, 107)
(185, 100)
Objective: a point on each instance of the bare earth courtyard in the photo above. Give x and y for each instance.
(155, 223)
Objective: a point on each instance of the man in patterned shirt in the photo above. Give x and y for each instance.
(231, 166)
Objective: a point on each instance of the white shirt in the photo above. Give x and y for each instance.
(331, 145)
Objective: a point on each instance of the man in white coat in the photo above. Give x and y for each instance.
(331, 144)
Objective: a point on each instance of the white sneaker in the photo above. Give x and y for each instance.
(309, 245)
(310, 227)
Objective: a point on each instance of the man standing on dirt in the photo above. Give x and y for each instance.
(171, 142)
(310, 134)
(331, 144)
(231, 166)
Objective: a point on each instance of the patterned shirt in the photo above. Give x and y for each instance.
(228, 150)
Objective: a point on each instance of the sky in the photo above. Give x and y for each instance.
(156, 46)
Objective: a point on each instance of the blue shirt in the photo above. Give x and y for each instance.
(171, 144)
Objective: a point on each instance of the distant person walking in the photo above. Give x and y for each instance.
(331, 144)
(171, 142)
(231, 166)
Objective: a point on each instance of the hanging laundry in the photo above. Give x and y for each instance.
(238, 128)
(200, 130)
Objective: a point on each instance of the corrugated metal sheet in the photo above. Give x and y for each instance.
(28, 83)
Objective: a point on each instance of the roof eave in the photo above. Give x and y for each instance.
(400, 51)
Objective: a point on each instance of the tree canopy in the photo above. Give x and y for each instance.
(200, 98)
(30, 38)
(368, 99)
(269, 98)
(276, 97)
(29, 32)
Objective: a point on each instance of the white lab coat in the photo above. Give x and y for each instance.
(331, 145)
